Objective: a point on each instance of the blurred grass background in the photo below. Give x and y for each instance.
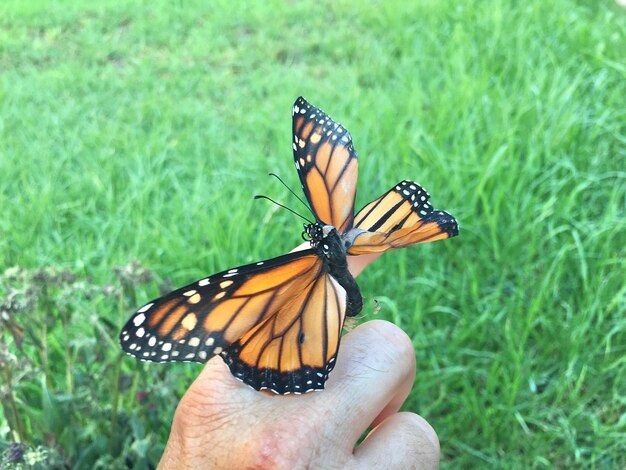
(141, 131)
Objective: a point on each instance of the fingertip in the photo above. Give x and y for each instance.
(403, 440)
(427, 429)
(389, 338)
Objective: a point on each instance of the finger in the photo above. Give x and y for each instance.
(373, 377)
(356, 264)
(394, 403)
(215, 380)
(404, 440)
(205, 418)
(302, 246)
(213, 396)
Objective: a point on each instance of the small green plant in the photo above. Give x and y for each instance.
(67, 399)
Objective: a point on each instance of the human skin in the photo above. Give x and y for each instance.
(221, 423)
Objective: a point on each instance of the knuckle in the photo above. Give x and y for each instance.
(383, 343)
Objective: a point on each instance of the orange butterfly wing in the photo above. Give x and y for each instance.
(293, 350)
(276, 323)
(200, 320)
(327, 165)
(400, 217)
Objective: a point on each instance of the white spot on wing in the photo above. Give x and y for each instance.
(145, 307)
(140, 332)
(138, 320)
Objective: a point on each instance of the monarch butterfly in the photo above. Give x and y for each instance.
(277, 323)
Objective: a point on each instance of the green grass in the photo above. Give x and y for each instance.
(141, 130)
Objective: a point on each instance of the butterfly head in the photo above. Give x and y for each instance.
(326, 239)
(313, 233)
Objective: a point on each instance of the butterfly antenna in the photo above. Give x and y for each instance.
(291, 191)
(283, 206)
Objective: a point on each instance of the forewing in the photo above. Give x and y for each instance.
(200, 320)
(327, 165)
(293, 350)
(400, 217)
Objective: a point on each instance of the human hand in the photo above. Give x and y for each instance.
(221, 423)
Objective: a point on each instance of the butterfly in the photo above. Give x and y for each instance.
(277, 323)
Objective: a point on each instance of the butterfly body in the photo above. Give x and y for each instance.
(333, 249)
(277, 323)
